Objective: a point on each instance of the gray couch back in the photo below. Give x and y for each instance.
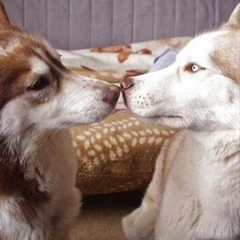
(74, 24)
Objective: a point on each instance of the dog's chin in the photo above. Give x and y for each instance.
(75, 120)
(87, 120)
(166, 120)
(170, 121)
(96, 118)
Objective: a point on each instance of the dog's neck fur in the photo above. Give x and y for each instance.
(16, 145)
(19, 164)
(222, 144)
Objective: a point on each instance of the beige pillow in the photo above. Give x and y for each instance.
(117, 154)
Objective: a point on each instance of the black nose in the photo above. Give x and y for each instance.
(111, 94)
(127, 84)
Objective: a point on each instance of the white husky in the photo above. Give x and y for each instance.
(195, 190)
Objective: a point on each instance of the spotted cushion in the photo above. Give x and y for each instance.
(117, 154)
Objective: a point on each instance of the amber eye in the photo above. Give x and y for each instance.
(39, 84)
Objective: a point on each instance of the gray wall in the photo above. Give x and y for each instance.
(74, 24)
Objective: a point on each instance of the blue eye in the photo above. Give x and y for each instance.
(193, 68)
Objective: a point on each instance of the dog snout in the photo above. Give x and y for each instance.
(111, 94)
(127, 84)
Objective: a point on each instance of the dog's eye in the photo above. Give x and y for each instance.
(193, 67)
(40, 84)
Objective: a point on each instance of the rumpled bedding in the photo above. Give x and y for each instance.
(117, 154)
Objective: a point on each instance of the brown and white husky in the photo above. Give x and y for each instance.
(38, 97)
(195, 190)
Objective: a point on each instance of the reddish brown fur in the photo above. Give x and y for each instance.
(12, 74)
(13, 183)
(14, 71)
(15, 77)
(15, 67)
(227, 56)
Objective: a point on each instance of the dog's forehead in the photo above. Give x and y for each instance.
(12, 40)
(22, 60)
(199, 50)
(218, 50)
(38, 66)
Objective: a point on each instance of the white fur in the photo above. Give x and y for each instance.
(12, 44)
(65, 110)
(187, 91)
(38, 66)
(198, 196)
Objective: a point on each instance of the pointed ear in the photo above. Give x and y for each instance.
(234, 20)
(4, 20)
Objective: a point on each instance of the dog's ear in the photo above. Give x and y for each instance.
(234, 20)
(4, 20)
(5, 24)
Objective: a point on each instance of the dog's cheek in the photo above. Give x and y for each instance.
(41, 97)
(14, 117)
